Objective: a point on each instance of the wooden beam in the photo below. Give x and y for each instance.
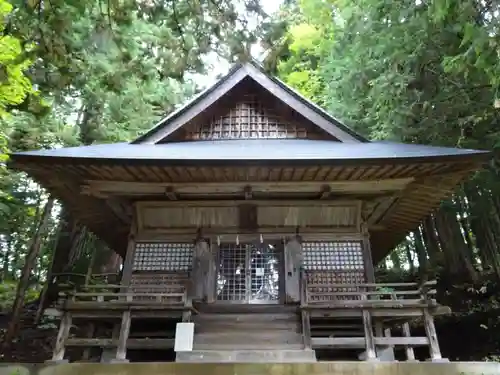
(229, 234)
(147, 343)
(104, 188)
(237, 202)
(359, 342)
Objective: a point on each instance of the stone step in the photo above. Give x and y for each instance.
(247, 356)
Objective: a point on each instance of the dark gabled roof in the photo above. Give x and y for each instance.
(269, 150)
(274, 86)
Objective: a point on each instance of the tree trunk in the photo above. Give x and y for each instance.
(33, 252)
(64, 253)
(8, 249)
(431, 241)
(421, 254)
(396, 262)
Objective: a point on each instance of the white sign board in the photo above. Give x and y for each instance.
(184, 335)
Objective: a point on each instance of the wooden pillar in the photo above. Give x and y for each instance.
(203, 265)
(367, 255)
(410, 354)
(121, 350)
(212, 273)
(293, 265)
(124, 327)
(128, 264)
(371, 354)
(62, 336)
(306, 329)
(306, 315)
(430, 330)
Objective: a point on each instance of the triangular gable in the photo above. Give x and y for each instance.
(240, 76)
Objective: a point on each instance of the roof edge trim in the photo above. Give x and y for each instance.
(274, 86)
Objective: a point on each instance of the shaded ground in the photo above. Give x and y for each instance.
(34, 344)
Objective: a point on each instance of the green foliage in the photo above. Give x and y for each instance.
(81, 72)
(14, 84)
(8, 293)
(419, 72)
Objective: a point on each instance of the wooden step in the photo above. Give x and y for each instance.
(247, 331)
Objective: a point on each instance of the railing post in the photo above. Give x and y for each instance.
(121, 350)
(306, 318)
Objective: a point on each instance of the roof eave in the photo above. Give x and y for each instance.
(479, 156)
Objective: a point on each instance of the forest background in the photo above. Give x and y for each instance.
(76, 72)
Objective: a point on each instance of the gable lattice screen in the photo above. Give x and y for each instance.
(158, 256)
(334, 262)
(248, 119)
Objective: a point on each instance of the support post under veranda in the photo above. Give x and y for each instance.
(128, 264)
(371, 354)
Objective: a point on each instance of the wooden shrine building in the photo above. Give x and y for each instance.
(249, 222)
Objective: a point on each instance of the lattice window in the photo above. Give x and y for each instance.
(158, 256)
(249, 119)
(334, 255)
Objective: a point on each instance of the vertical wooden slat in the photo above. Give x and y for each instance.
(410, 354)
